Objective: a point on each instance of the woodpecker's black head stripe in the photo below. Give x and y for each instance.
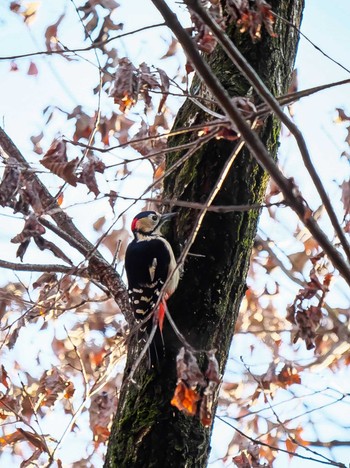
(145, 214)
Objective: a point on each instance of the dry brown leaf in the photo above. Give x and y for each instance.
(164, 86)
(4, 377)
(52, 386)
(15, 7)
(291, 447)
(32, 228)
(36, 142)
(9, 439)
(185, 399)
(13, 66)
(298, 260)
(144, 146)
(112, 198)
(44, 279)
(103, 406)
(241, 461)
(117, 240)
(345, 195)
(109, 4)
(122, 127)
(88, 176)
(34, 439)
(347, 139)
(44, 244)
(30, 461)
(173, 46)
(212, 373)
(70, 390)
(288, 376)
(30, 11)
(32, 70)
(60, 198)
(10, 182)
(342, 116)
(51, 35)
(55, 159)
(293, 87)
(99, 223)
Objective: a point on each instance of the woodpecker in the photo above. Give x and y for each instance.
(149, 263)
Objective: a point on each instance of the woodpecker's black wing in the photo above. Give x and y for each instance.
(147, 265)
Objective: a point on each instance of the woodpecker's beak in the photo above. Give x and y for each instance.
(166, 217)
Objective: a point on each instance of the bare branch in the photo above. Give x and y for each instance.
(43, 268)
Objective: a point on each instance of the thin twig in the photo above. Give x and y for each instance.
(312, 43)
(279, 449)
(95, 45)
(82, 366)
(199, 206)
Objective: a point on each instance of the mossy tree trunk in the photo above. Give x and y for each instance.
(148, 431)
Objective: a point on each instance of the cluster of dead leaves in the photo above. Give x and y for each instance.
(54, 389)
(56, 160)
(248, 18)
(20, 191)
(305, 316)
(195, 391)
(250, 458)
(33, 229)
(273, 378)
(148, 141)
(107, 126)
(92, 19)
(103, 406)
(131, 83)
(201, 33)
(20, 403)
(251, 19)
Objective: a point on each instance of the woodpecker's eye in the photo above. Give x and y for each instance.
(154, 217)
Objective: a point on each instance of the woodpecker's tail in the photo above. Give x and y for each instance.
(156, 347)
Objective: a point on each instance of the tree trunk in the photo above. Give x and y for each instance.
(148, 431)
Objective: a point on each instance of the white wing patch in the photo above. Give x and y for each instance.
(152, 269)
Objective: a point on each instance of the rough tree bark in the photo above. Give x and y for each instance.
(148, 431)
